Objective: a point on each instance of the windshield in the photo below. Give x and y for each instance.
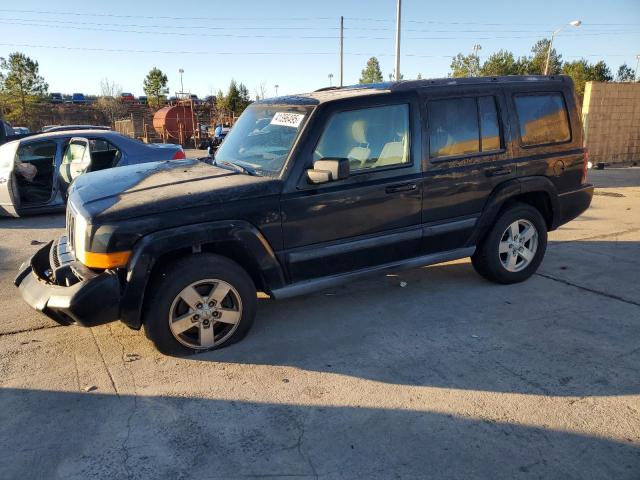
(262, 137)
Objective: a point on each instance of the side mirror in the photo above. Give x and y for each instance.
(328, 170)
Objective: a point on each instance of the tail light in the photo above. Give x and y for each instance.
(585, 166)
(179, 155)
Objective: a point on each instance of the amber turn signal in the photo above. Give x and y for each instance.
(106, 260)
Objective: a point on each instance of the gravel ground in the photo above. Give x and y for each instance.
(449, 376)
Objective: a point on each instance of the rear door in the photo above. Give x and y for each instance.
(9, 198)
(75, 161)
(548, 133)
(468, 146)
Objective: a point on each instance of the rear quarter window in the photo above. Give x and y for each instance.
(542, 119)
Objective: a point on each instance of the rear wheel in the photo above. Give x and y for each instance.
(514, 248)
(199, 303)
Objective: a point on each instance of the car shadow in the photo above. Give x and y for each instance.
(445, 326)
(49, 434)
(33, 221)
(615, 177)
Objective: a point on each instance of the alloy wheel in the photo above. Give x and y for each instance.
(205, 314)
(518, 245)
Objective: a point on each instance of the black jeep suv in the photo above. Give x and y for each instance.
(311, 190)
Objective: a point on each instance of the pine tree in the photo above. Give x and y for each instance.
(154, 85)
(371, 73)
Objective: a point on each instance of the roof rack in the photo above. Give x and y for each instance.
(410, 84)
(324, 89)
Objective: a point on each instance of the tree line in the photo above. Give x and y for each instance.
(504, 62)
(23, 91)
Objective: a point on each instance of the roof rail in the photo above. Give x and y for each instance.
(324, 89)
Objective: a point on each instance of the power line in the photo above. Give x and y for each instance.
(263, 19)
(311, 37)
(152, 17)
(284, 53)
(203, 27)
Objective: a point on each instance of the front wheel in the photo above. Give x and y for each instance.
(199, 303)
(514, 248)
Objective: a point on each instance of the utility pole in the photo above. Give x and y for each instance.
(276, 87)
(181, 71)
(341, 48)
(398, 76)
(330, 79)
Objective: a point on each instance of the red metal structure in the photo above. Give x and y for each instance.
(174, 121)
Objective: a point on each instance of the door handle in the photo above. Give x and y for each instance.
(496, 172)
(405, 187)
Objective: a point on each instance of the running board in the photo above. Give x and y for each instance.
(310, 286)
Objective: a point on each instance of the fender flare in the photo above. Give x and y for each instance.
(151, 247)
(508, 190)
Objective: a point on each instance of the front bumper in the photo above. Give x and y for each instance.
(56, 284)
(574, 203)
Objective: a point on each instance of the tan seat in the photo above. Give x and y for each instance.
(360, 153)
(392, 154)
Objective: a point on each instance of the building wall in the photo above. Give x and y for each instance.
(611, 119)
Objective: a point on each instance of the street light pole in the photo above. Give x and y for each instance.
(330, 79)
(399, 11)
(181, 71)
(575, 23)
(476, 48)
(276, 87)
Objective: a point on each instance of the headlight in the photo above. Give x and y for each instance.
(80, 237)
(93, 259)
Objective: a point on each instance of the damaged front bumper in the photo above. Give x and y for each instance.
(56, 284)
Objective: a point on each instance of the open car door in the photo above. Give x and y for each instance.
(9, 197)
(75, 161)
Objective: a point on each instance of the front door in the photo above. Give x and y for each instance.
(75, 161)
(373, 216)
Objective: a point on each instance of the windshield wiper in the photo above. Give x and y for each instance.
(237, 167)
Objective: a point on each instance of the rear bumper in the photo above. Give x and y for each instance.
(56, 284)
(572, 204)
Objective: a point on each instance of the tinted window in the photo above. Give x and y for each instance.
(489, 125)
(542, 119)
(453, 127)
(370, 137)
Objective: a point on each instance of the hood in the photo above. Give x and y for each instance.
(161, 187)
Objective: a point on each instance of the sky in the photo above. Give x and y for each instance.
(295, 44)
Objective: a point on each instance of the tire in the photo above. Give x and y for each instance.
(493, 264)
(180, 320)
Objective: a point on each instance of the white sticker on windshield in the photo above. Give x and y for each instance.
(287, 119)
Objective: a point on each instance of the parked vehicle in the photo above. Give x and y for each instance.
(143, 100)
(127, 97)
(78, 98)
(62, 128)
(56, 98)
(8, 133)
(338, 184)
(21, 130)
(55, 159)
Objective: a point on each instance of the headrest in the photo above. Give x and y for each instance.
(358, 131)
